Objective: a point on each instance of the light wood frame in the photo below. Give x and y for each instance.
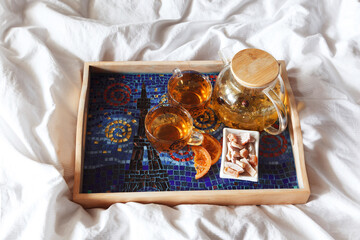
(219, 197)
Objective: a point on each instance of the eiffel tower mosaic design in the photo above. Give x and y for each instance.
(155, 178)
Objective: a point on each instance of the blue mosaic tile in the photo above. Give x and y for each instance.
(118, 157)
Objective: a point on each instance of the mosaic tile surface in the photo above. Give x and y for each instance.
(118, 157)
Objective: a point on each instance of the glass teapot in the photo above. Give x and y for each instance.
(249, 92)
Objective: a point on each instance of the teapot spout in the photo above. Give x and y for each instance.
(223, 57)
(226, 54)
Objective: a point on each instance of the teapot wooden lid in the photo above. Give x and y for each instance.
(254, 67)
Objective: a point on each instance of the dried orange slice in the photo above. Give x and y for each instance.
(202, 161)
(213, 146)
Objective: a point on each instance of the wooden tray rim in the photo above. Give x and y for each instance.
(219, 197)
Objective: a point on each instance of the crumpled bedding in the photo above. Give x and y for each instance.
(44, 45)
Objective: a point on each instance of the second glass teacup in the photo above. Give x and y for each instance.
(169, 128)
(191, 90)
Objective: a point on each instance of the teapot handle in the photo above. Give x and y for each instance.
(279, 106)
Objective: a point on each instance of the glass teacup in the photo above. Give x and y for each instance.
(169, 128)
(191, 90)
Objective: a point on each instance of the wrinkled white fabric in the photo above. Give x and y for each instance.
(43, 45)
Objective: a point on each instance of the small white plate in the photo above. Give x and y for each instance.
(244, 176)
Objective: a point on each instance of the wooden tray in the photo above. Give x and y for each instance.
(222, 197)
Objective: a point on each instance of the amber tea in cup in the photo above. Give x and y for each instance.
(170, 128)
(191, 90)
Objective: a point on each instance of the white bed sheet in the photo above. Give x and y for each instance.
(42, 50)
